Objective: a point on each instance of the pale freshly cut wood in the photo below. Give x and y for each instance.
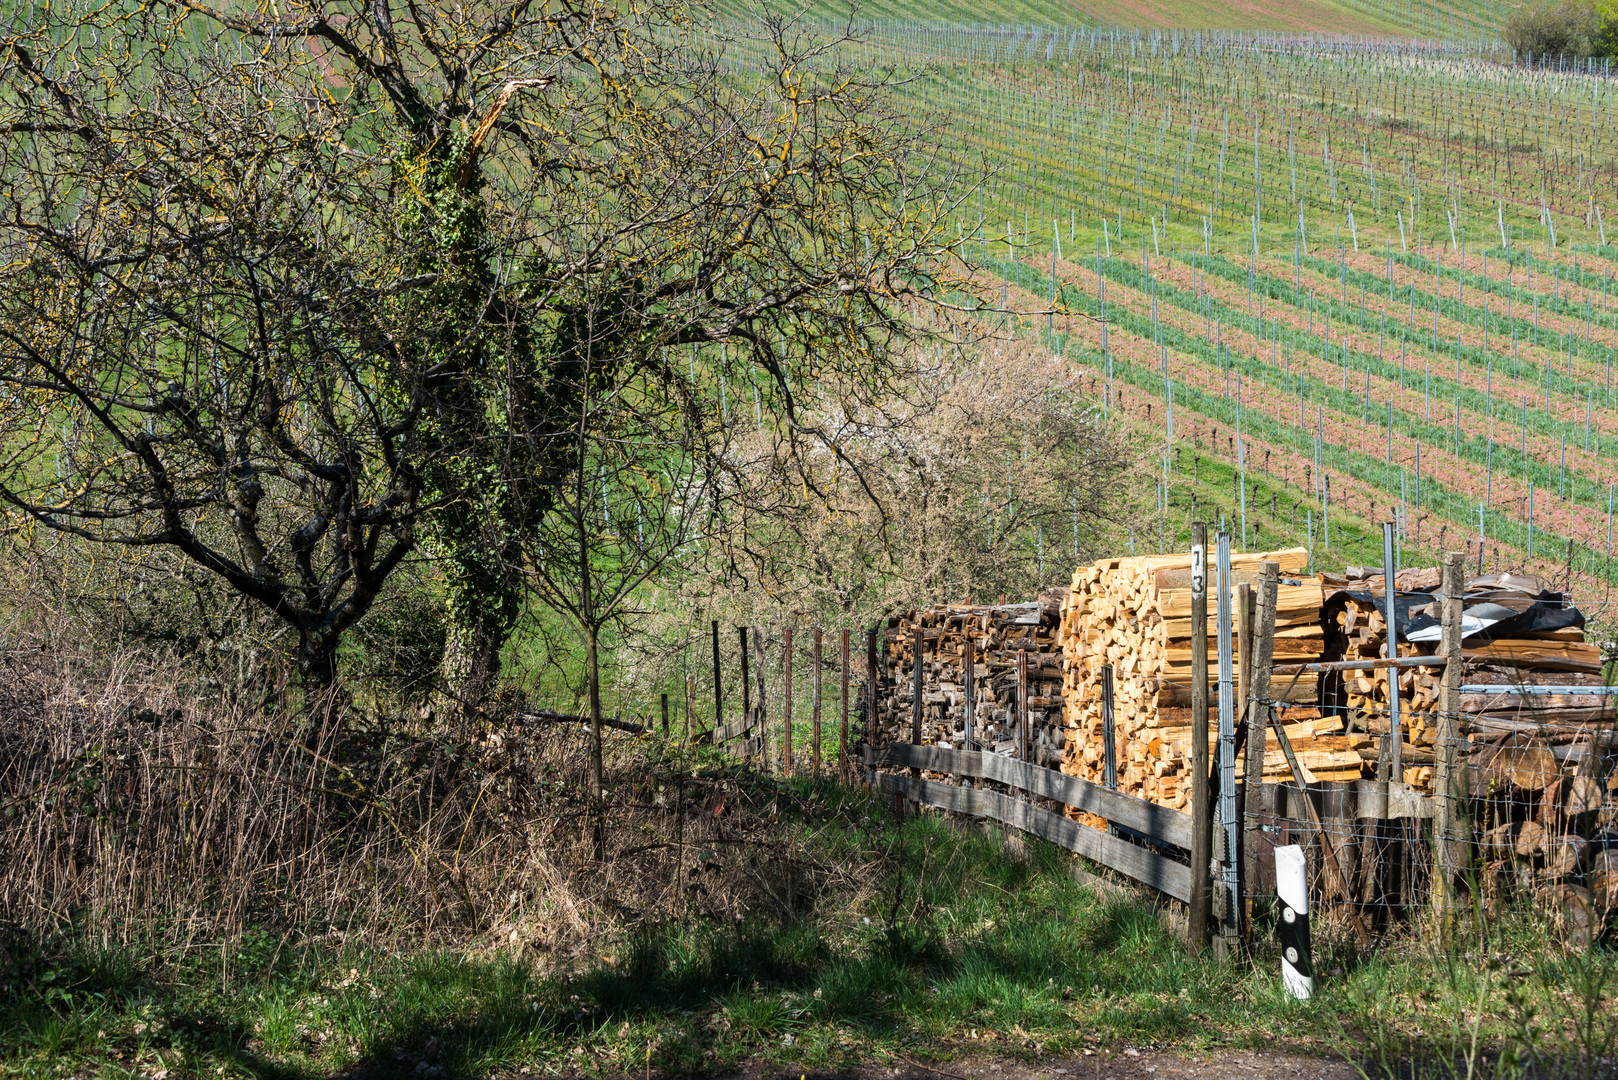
(1291, 602)
(1134, 616)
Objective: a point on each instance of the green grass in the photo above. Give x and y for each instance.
(1382, 17)
(960, 944)
(1158, 137)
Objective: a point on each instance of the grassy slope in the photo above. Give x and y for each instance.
(1319, 15)
(1432, 18)
(916, 940)
(1154, 138)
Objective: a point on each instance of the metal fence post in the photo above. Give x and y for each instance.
(1453, 812)
(814, 722)
(915, 695)
(1229, 823)
(1110, 745)
(1201, 806)
(1394, 740)
(842, 698)
(1023, 734)
(747, 693)
(786, 705)
(968, 657)
(718, 686)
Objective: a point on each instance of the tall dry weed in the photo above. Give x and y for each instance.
(149, 809)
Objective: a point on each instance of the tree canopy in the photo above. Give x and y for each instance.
(300, 293)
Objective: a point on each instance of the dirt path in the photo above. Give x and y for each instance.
(1120, 1063)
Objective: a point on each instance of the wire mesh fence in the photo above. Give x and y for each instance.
(1429, 741)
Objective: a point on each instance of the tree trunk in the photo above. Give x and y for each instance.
(317, 657)
(471, 663)
(597, 801)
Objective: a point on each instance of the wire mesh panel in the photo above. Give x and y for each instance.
(1428, 741)
(1486, 781)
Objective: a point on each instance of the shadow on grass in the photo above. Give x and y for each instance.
(965, 934)
(962, 942)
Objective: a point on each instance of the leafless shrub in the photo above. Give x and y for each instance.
(1567, 27)
(149, 812)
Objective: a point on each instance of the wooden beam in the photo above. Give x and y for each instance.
(1359, 665)
(1454, 812)
(1256, 710)
(1139, 863)
(732, 730)
(1158, 822)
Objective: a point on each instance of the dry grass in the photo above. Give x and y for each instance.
(156, 812)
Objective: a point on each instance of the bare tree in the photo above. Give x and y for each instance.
(990, 471)
(647, 491)
(298, 293)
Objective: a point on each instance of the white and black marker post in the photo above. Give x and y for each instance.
(1292, 887)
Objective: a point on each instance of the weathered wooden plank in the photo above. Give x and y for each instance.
(1159, 822)
(1403, 801)
(745, 748)
(727, 732)
(1359, 665)
(1138, 863)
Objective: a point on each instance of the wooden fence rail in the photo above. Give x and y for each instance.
(1169, 828)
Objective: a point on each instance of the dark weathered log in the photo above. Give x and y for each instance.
(548, 716)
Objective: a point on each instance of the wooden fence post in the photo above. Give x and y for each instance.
(786, 706)
(762, 706)
(690, 706)
(1261, 657)
(872, 728)
(814, 723)
(842, 701)
(968, 658)
(1024, 735)
(747, 697)
(718, 687)
(1454, 813)
(1201, 807)
(1243, 619)
(920, 644)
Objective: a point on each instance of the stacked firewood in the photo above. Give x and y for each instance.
(1135, 615)
(1534, 760)
(1358, 630)
(1542, 832)
(997, 634)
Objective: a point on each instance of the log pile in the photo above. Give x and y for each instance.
(1357, 628)
(1541, 833)
(997, 634)
(1135, 615)
(1536, 762)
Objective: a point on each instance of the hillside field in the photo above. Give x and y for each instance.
(1335, 281)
